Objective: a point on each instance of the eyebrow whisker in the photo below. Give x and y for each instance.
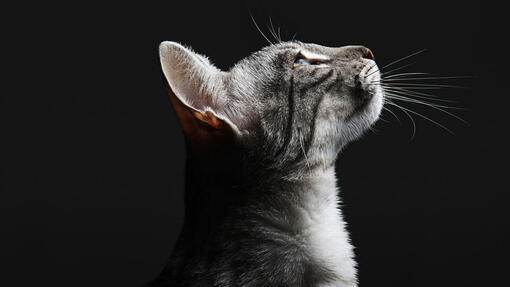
(257, 26)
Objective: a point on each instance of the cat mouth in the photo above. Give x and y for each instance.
(366, 83)
(367, 88)
(362, 90)
(363, 98)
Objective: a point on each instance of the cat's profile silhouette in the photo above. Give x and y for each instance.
(262, 140)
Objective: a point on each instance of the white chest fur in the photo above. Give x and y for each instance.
(323, 229)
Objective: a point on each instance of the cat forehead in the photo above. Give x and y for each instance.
(307, 49)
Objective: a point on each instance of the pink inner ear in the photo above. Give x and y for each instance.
(191, 77)
(197, 84)
(209, 118)
(210, 137)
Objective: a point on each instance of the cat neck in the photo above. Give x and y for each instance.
(306, 202)
(214, 193)
(302, 212)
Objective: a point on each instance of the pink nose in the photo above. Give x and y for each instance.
(368, 54)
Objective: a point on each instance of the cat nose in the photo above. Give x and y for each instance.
(367, 54)
(356, 52)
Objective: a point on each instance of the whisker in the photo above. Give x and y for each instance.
(408, 115)
(426, 78)
(272, 30)
(260, 31)
(375, 65)
(400, 86)
(394, 115)
(383, 119)
(375, 71)
(403, 58)
(396, 69)
(433, 106)
(429, 119)
(411, 88)
(427, 85)
(417, 94)
(401, 75)
(407, 90)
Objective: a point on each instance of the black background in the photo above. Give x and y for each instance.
(92, 176)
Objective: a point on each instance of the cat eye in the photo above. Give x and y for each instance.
(303, 61)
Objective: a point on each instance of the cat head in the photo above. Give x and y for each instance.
(294, 103)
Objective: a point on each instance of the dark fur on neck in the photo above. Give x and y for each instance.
(236, 231)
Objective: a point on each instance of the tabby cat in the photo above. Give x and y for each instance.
(262, 140)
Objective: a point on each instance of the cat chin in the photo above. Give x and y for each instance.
(357, 124)
(374, 108)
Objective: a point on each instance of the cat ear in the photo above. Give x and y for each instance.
(197, 91)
